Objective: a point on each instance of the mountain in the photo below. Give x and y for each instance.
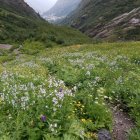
(19, 22)
(18, 7)
(60, 10)
(107, 19)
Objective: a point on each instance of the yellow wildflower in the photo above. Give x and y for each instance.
(83, 120)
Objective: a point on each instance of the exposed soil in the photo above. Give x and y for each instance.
(5, 46)
(122, 124)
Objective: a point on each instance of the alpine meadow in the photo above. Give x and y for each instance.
(77, 78)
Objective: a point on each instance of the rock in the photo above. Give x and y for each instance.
(104, 134)
(135, 21)
(5, 46)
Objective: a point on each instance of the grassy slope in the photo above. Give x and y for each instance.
(16, 28)
(95, 73)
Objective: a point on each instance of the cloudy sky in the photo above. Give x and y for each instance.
(41, 5)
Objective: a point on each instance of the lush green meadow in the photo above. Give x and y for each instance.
(62, 93)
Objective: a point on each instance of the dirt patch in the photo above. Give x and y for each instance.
(5, 46)
(122, 124)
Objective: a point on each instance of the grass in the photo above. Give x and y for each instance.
(61, 93)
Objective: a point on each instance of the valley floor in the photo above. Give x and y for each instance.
(62, 93)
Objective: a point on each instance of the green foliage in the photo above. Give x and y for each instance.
(135, 134)
(32, 47)
(60, 93)
(17, 28)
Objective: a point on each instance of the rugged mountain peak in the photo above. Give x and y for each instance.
(60, 10)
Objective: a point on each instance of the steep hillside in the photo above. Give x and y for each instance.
(18, 7)
(60, 10)
(108, 19)
(19, 22)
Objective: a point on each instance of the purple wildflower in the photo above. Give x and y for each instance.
(43, 118)
(61, 89)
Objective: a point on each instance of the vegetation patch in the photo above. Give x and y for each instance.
(64, 95)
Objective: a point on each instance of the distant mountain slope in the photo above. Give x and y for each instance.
(18, 7)
(96, 17)
(19, 22)
(61, 9)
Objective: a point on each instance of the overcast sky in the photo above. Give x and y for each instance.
(41, 5)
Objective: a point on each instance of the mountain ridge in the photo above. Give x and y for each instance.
(19, 22)
(60, 10)
(19, 7)
(92, 16)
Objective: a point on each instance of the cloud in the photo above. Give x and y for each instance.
(41, 5)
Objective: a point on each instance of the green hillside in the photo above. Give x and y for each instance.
(18, 22)
(97, 18)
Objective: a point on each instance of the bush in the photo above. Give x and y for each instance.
(32, 47)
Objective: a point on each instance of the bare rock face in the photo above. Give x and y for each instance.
(135, 21)
(126, 21)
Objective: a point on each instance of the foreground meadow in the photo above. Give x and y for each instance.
(63, 93)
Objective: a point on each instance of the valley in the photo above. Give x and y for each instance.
(60, 10)
(78, 80)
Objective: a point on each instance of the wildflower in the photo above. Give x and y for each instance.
(96, 102)
(105, 97)
(83, 120)
(43, 118)
(52, 129)
(88, 73)
(46, 106)
(32, 123)
(89, 120)
(78, 105)
(94, 135)
(96, 98)
(54, 109)
(101, 90)
(0, 100)
(55, 125)
(75, 88)
(82, 132)
(43, 91)
(55, 101)
(61, 89)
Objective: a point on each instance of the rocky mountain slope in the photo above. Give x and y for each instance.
(19, 22)
(61, 9)
(107, 19)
